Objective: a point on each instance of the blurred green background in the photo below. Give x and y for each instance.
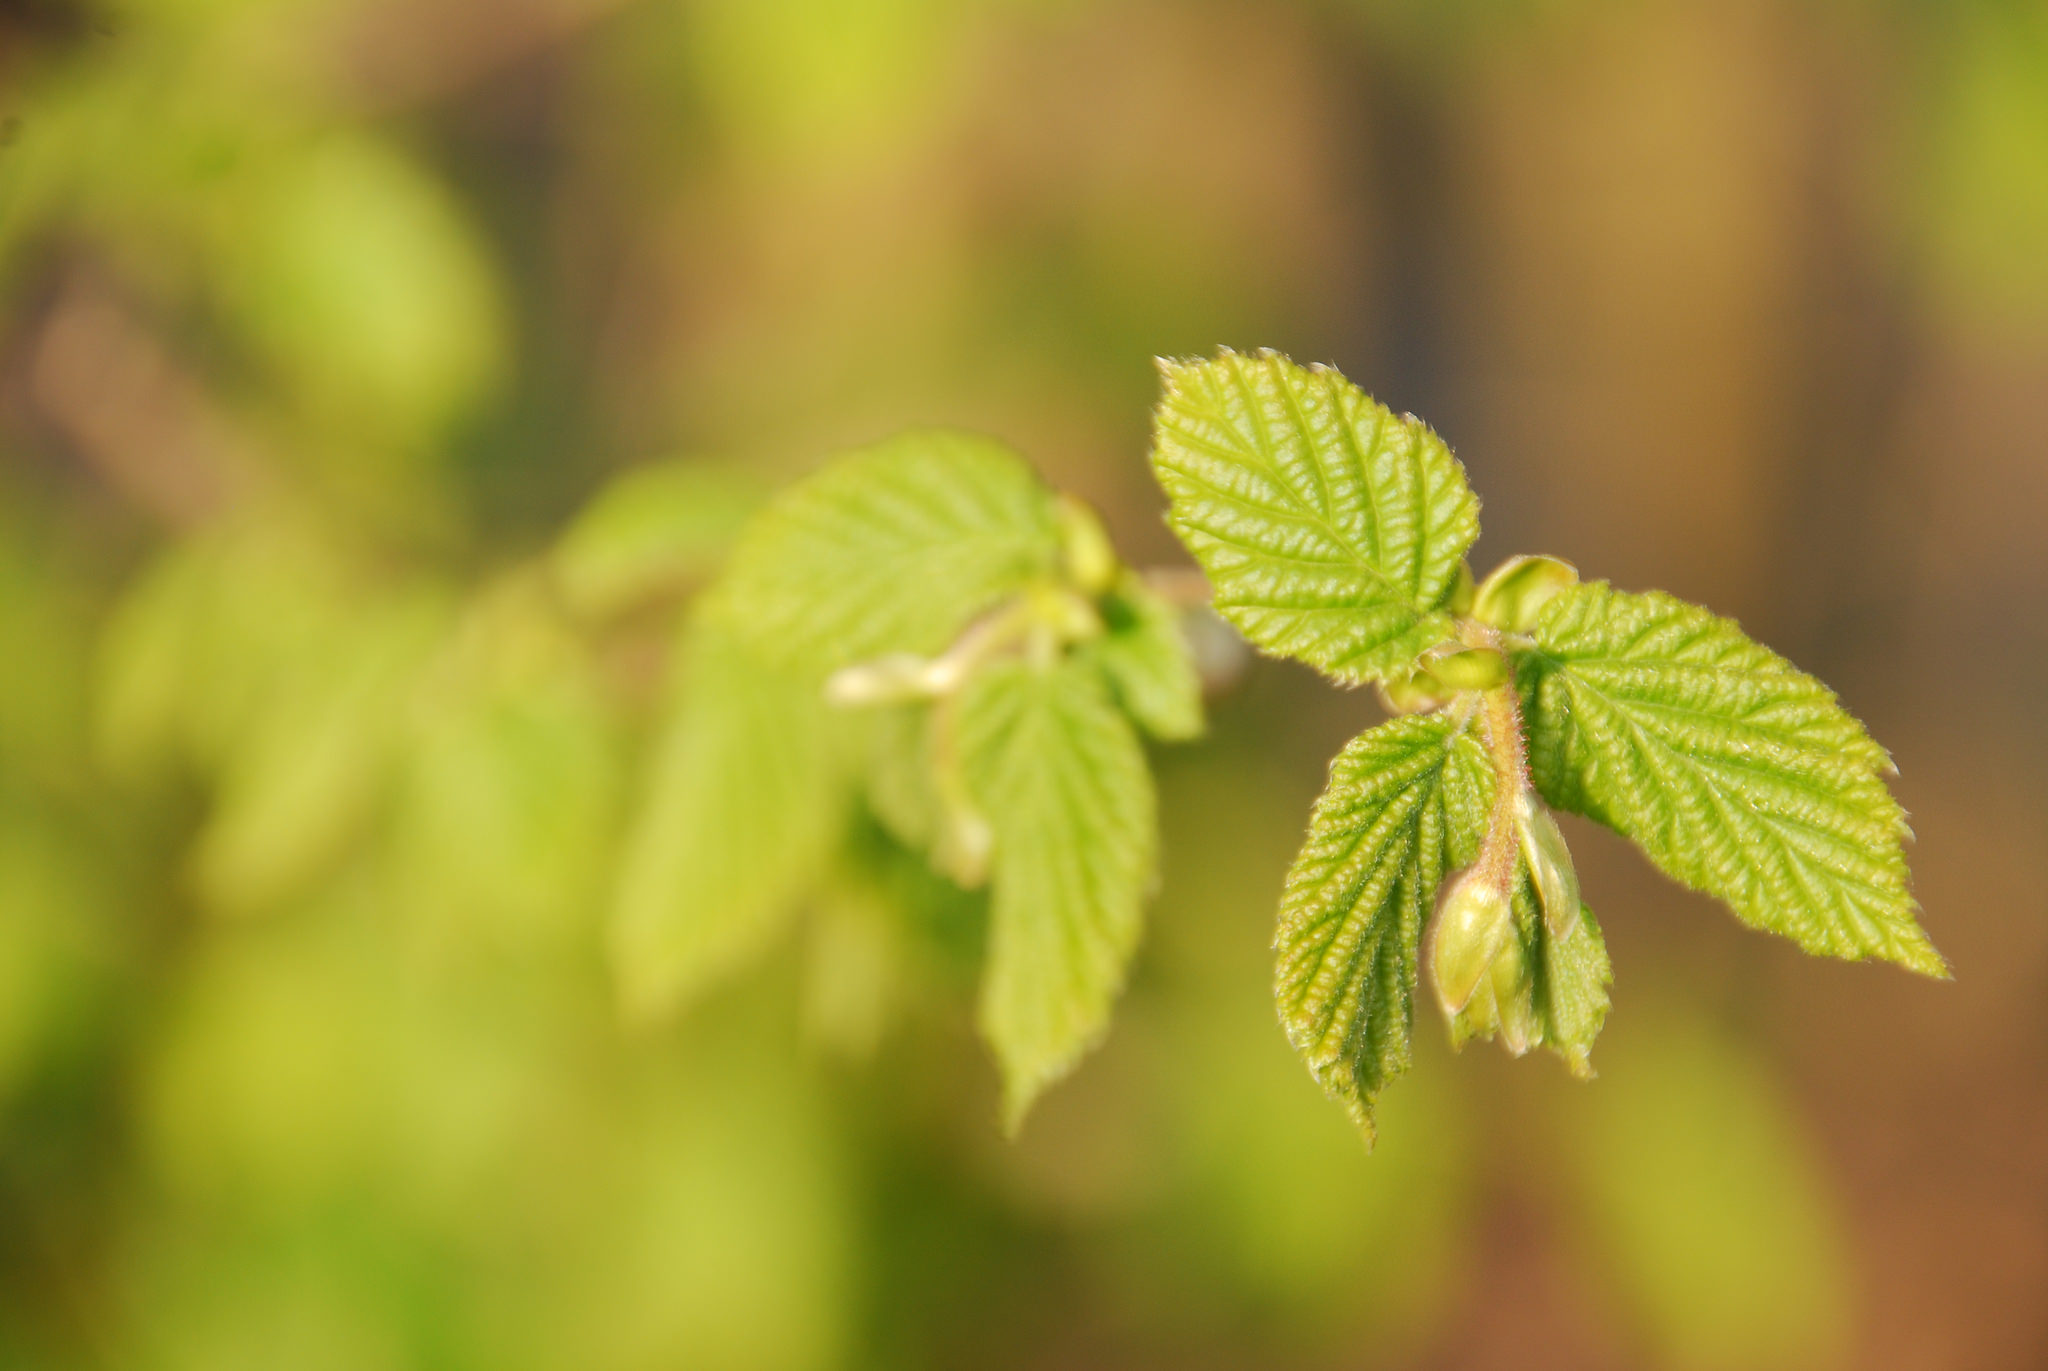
(321, 321)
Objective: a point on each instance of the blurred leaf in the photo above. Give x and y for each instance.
(1984, 219)
(900, 769)
(1148, 661)
(305, 774)
(1330, 529)
(801, 78)
(360, 277)
(202, 640)
(1699, 1188)
(743, 805)
(1063, 782)
(1406, 801)
(652, 531)
(1738, 774)
(511, 779)
(892, 548)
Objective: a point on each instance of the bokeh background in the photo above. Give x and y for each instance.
(322, 320)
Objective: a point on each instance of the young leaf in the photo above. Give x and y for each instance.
(1572, 976)
(1406, 801)
(891, 549)
(1062, 779)
(740, 815)
(1331, 529)
(1737, 774)
(1145, 655)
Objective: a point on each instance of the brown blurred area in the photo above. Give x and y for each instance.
(1743, 300)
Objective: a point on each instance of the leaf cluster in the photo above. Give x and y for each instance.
(1334, 533)
(921, 633)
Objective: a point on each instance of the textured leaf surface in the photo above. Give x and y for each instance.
(1738, 774)
(1062, 779)
(893, 548)
(1406, 801)
(739, 816)
(1330, 528)
(1572, 976)
(1148, 662)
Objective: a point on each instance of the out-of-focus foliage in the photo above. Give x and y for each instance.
(1009, 656)
(350, 594)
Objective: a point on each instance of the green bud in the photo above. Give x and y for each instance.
(1550, 864)
(1416, 694)
(1086, 554)
(1459, 600)
(1514, 998)
(1472, 921)
(1480, 1018)
(1516, 590)
(1478, 668)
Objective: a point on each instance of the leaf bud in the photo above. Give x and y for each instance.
(1413, 694)
(1473, 920)
(1478, 668)
(1514, 998)
(1515, 591)
(1550, 864)
(1086, 554)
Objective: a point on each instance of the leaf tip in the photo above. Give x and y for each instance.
(1921, 957)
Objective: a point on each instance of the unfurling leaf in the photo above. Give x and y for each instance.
(1406, 801)
(1061, 777)
(890, 549)
(1737, 774)
(1549, 862)
(740, 813)
(1331, 529)
(1515, 592)
(1543, 988)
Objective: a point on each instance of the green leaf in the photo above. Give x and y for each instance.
(1406, 802)
(1062, 779)
(653, 531)
(1331, 529)
(1737, 774)
(359, 275)
(1145, 655)
(893, 548)
(741, 812)
(1572, 976)
(508, 808)
(305, 774)
(900, 780)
